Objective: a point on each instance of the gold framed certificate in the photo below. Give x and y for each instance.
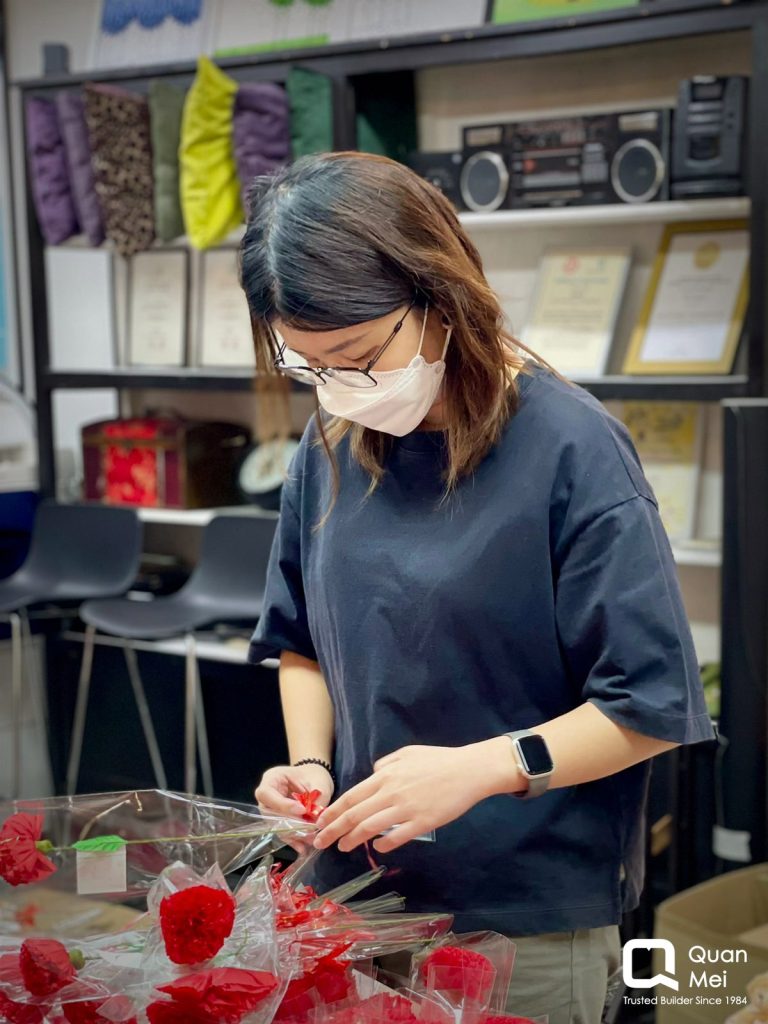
(226, 338)
(668, 437)
(157, 308)
(575, 306)
(693, 314)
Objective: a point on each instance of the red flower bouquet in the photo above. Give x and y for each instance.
(45, 966)
(224, 995)
(22, 850)
(195, 923)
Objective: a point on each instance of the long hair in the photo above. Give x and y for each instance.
(337, 239)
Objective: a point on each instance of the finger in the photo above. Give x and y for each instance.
(272, 801)
(369, 829)
(362, 791)
(351, 819)
(404, 833)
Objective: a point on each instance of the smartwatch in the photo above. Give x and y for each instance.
(534, 761)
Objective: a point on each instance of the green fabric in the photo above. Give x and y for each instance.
(166, 103)
(311, 101)
(386, 115)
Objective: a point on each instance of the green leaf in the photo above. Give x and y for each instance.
(101, 844)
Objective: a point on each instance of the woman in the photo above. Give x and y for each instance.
(467, 549)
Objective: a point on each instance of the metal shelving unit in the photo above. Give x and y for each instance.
(651, 20)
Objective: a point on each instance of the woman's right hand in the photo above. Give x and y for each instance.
(274, 792)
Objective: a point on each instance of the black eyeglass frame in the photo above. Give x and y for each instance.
(342, 371)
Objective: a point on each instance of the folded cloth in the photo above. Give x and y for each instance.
(118, 127)
(51, 189)
(261, 131)
(71, 110)
(210, 188)
(166, 103)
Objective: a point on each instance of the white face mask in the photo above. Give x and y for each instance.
(399, 401)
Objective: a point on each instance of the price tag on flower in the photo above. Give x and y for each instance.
(101, 865)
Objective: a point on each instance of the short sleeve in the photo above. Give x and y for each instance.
(283, 624)
(623, 628)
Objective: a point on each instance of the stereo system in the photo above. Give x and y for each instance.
(632, 156)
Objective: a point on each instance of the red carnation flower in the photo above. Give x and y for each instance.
(308, 800)
(196, 922)
(87, 1010)
(22, 850)
(459, 972)
(45, 966)
(19, 1013)
(223, 995)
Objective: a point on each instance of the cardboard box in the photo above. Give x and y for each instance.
(725, 915)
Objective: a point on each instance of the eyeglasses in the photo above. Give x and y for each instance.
(352, 376)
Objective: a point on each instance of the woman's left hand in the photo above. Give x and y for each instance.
(418, 789)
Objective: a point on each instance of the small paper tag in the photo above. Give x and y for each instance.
(101, 872)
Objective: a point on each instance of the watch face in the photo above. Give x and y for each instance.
(535, 755)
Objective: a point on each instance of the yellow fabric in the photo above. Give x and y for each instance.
(210, 188)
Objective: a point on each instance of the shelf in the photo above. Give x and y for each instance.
(698, 554)
(199, 516)
(647, 21)
(620, 213)
(668, 389)
(203, 380)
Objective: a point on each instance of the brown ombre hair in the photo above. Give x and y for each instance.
(338, 239)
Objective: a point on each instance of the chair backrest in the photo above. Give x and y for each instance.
(232, 569)
(83, 551)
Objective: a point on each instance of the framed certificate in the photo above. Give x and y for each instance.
(225, 326)
(575, 306)
(669, 439)
(157, 308)
(693, 314)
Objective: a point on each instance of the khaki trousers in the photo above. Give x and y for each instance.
(564, 976)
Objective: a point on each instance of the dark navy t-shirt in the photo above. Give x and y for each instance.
(545, 581)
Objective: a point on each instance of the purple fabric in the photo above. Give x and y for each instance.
(48, 172)
(260, 130)
(71, 109)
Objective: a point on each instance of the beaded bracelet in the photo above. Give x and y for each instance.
(319, 761)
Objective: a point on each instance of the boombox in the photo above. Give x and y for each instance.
(709, 138)
(618, 157)
(441, 170)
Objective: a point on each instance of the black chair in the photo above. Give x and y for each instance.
(77, 552)
(227, 586)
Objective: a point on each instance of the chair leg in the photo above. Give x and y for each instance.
(190, 716)
(16, 695)
(81, 709)
(146, 719)
(202, 737)
(34, 681)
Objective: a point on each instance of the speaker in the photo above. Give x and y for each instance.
(640, 162)
(709, 149)
(485, 175)
(441, 169)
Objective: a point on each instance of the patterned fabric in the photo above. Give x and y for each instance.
(118, 126)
